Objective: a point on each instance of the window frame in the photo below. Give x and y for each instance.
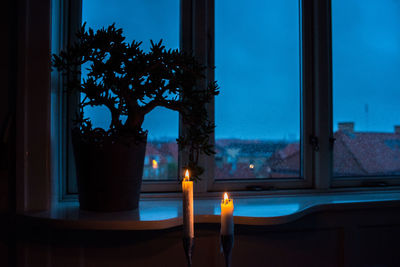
(355, 181)
(197, 36)
(306, 124)
(66, 20)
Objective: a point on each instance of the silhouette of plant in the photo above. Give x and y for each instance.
(131, 83)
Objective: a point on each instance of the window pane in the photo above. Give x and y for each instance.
(366, 88)
(258, 70)
(142, 21)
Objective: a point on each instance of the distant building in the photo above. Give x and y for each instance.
(366, 153)
(355, 154)
(243, 158)
(284, 162)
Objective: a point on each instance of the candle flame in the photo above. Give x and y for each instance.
(226, 197)
(187, 177)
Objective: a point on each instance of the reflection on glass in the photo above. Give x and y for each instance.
(258, 110)
(142, 21)
(366, 89)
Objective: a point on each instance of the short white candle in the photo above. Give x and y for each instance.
(188, 219)
(227, 216)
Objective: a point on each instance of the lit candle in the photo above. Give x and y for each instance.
(227, 216)
(187, 190)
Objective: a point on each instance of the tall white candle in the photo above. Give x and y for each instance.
(188, 219)
(227, 216)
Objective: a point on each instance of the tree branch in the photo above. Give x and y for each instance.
(170, 104)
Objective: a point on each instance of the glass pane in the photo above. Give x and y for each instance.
(258, 70)
(142, 21)
(366, 88)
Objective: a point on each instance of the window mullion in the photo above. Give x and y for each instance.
(197, 37)
(322, 70)
(201, 48)
(210, 55)
(307, 106)
(186, 45)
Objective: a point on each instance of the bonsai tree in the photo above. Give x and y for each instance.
(131, 83)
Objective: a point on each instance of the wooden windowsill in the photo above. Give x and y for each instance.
(157, 214)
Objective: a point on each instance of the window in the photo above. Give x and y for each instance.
(366, 62)
(258, 110)
(308, 89)
(143, 21)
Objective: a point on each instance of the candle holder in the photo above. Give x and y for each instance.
(227, 242)
(188, 245)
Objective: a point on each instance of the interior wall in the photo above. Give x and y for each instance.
(25, 68)
(24, 105)
(8, 92)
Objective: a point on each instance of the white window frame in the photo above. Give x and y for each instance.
(324, 162)
(204, 51)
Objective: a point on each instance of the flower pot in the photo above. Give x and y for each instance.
(109, 176)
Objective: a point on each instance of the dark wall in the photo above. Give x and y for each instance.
(361, 238)
(25, 72)
(8, 92)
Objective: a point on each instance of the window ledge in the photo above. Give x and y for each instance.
(157, 214)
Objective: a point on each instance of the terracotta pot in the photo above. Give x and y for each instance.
(110, 176)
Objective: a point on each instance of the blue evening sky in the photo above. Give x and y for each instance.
(366, 63)
(257, 62)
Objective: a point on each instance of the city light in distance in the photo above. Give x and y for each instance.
(155, 164)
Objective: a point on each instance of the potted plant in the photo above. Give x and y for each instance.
(130, 83)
